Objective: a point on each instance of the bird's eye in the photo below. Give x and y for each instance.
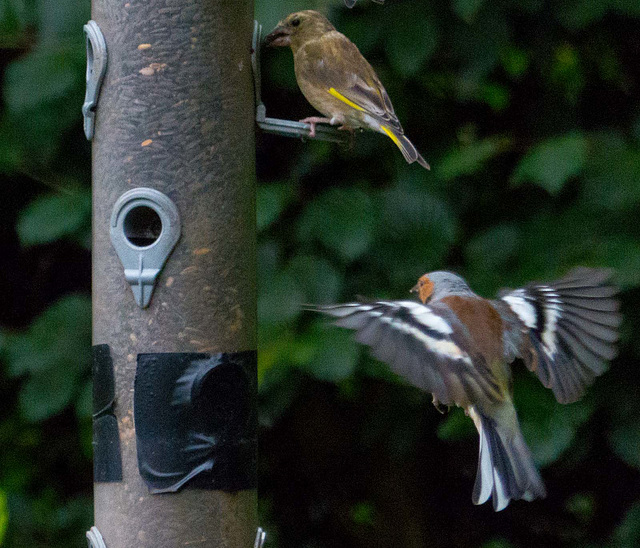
(295, 22)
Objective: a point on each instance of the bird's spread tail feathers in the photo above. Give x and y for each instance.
(409, 151)
(505, 467)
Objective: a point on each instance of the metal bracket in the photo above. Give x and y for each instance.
(261, 535)
(145, 227)
(286, 128)
(96, 69)
(94, 538)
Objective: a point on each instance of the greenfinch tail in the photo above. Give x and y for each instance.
(409, 151)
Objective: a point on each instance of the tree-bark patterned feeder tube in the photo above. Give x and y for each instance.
(174, 402)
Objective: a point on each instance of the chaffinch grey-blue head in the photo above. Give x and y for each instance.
(458, 346)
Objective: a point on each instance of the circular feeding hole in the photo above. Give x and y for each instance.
(142, 226)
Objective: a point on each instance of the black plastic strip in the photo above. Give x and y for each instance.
(196, 420)
(107, 460)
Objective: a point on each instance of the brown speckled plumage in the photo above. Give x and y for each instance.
(337, 80)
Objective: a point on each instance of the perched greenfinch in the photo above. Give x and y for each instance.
(338, 81)
(458, 346)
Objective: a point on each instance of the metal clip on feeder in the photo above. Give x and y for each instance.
(96, 68)
(286, 128)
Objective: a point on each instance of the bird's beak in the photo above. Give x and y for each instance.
(280, 36)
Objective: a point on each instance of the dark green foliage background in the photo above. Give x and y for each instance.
(529, 112)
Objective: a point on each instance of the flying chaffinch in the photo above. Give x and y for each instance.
(338, 81)
(458, 346)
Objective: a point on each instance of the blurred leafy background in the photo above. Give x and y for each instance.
(528, 111)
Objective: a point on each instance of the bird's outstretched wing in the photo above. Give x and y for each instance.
(335, 64)
(425, 344)
(569, 329)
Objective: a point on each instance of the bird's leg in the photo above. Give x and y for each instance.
(352, 134)
(312, 121)
(441, 408)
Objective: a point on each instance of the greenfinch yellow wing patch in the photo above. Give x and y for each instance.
(342, 98)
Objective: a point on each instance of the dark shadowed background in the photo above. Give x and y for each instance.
(529, 113)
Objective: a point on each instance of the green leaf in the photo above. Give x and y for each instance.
(42, 76)
(280, 299)
(515, 61)
(529, 6)
(341, 219)
(317, 278)
(582, 505)
(4, 516)
(14, 17)
(551, 243)
(336, 353)
(496, 96)
(10, 154)
(623, 253)
(625, 440)
(567, 73)
(55, 352)
(493, 248)
(413, 38)
(467, 9)
(478, 48)
(365, 30)
(53, 216)
(271, 201)
(269, 13)
(413, 236)
(627, 534)
(628, 7)
(471, 158)
(43, 93)
(551, 163)
(548, 427)
(497, 543)
(363, 513)
(62, 20)
(59, 338)
(46, 393)
(578, 14)
(84, 403)
(490, 256)
(612, 174)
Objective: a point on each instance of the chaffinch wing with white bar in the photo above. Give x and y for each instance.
(458, 346)
(569, 329)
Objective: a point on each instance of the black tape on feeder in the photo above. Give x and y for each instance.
(196, 421)
(107, 460)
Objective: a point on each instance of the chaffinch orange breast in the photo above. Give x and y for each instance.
(458, 346)
(338, 81)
